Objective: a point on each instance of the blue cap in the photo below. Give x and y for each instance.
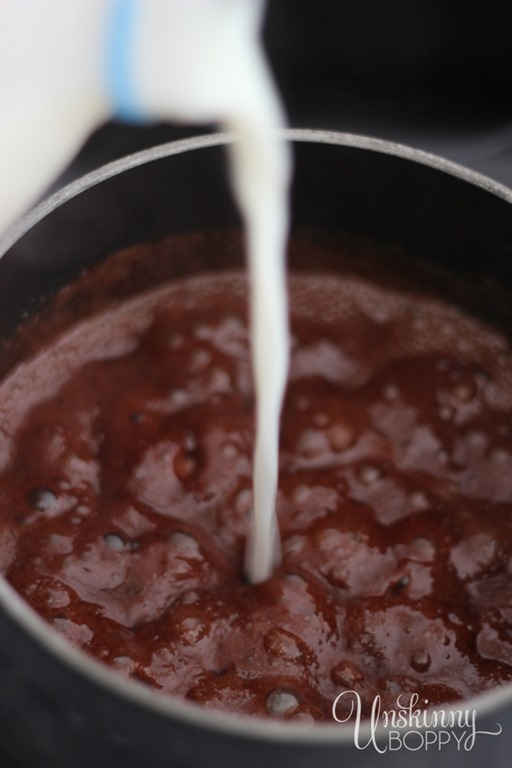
(119, 60)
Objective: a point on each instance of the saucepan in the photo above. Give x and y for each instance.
(60, 708)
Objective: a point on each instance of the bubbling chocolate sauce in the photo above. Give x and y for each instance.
(125, 484)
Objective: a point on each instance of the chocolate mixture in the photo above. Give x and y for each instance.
(125, 486)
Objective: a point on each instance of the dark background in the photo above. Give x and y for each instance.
(435, 74)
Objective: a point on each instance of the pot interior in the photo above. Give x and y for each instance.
(453, 227)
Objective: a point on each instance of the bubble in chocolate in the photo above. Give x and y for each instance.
(311, 443)
(301, 494)
(178, 397)
(188, 597)
(43, 499)
(243, 501)
(500, 456)
(400, 584)
(421, 549)
(200, 361)
(123, 663)
(418, 500)
(341, 436)
(477, 439)
(420, 660)
(304, 717)
(229, 451)
(445, 413)
(62, 545)
(220, 381)
(321, 419)
(183, 541)
(464, 392)
(301, 403)
(295, 579)
(282, 702)
(185, 464)
(391, 392)
(191, 630)
(114, 541)
(346, 674)
(369, 474)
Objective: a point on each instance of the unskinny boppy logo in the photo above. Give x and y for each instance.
(409, 726)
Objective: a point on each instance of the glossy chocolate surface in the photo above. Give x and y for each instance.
(125, 487)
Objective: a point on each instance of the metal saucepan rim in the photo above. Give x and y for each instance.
(137, 693)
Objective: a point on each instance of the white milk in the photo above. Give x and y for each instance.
(66, 66)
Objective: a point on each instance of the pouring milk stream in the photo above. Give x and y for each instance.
(67, 67)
